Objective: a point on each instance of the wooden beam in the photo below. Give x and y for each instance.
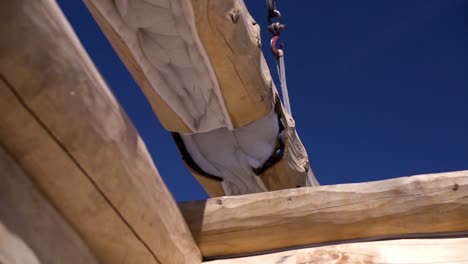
(198, 62)
(29, 223)
(63, 126)
(70, 190)
(232, 41)
(415, 251)
(200, 65)
(424, 204)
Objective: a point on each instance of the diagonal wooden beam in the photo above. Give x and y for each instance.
(417, 206)
(63, 126)
(410, 251)
(200, 65)
(198, 62)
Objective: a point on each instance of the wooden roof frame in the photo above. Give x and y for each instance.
(66, 140)
(423, 206)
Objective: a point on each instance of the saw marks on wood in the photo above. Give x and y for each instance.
(198, 62)
(164, 44)
(179, 69)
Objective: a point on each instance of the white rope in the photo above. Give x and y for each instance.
(282, 77)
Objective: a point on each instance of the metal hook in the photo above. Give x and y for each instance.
(277, 51)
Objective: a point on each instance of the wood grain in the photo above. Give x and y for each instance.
(158, 42)
(198, 62)
(63, 126)
(293, 170)
(166, 115)
(232, 41)
(30, 225)
(411, 251)
(66, 185)
(418, 205)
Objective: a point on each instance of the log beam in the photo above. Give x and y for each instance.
(200, 65)
(411, 251)
(63, 126)
(198, 62)
(418, 205)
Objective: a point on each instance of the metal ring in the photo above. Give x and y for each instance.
(271, 4)
(276, 14)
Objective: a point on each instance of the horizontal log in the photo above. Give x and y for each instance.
(63, 126)
(411, 251)
(418, 205)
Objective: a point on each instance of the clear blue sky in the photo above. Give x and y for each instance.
(379, 89)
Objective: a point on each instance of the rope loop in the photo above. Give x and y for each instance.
(278, 52)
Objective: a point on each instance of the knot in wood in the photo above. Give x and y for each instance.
(234, 15)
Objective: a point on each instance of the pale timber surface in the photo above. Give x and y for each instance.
(421, 205)
(200, 69)
(162, 40)
(63, 126)
(417, 251)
